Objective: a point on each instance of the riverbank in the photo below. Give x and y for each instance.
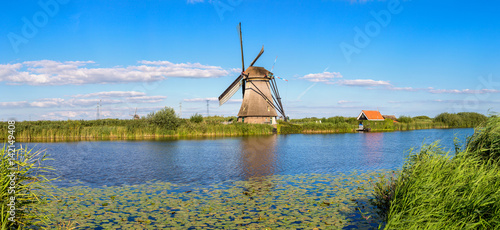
(436, 191)
(150, 129)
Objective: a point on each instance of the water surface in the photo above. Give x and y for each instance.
(213, 160)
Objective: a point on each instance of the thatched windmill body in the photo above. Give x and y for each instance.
(261, 98)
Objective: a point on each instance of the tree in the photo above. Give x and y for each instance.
(165, 118)
(405, 119)
(196, 118)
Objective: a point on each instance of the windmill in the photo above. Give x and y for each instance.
(259, 103)
(135, 116)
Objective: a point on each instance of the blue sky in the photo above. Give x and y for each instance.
(60, 58)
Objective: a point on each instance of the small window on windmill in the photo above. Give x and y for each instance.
(268, 109)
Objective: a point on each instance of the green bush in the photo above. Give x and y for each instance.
(196, 118)
(165, 119)
(450, 119)
(471, 119)
(422, 118)
(333, 120)
(352, 120)
(405, 119)
(459, 120)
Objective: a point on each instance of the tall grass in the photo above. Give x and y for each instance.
(485, 142)
(128, 129)
(29, 185)
(437, 191)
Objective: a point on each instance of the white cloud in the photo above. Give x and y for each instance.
(86, 100)
(325, 77)
(14, 104)
(62, 115)
(145, 99)
(235, 101)
(112, 94)
(363, 82)
(47, 102)
(463, 91)
(90, 102)
(195, 1)
(328, 78)
(48, 72)
(212, 99)
(403, 88)
(466, 101)
(344, 102)
(201, 99)
(9, 69)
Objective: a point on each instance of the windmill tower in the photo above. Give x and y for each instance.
(259, 103)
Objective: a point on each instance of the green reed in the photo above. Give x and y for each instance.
(30, 185)
(436, 191)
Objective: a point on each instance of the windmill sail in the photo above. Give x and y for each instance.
(230, 91)
(258, 56)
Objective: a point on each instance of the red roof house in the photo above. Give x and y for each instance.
(370, 115)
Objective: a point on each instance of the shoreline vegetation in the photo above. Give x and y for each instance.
(166, 124)
(437, 190)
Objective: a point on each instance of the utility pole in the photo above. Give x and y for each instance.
(208, 112)
(180, 109)
(98, 109)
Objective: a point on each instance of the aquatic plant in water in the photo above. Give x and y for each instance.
(281, 201)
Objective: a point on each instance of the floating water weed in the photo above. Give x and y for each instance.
(272, 202)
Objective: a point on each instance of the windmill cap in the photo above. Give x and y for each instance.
(257, 72)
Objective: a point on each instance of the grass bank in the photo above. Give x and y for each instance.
(437, 191)
(126, 129)
(165, 123)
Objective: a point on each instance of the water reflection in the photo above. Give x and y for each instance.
(372, 148)
(258, 156)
